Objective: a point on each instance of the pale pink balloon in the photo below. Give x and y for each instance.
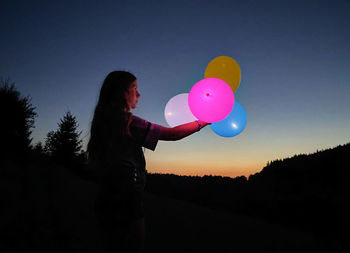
(177, 111)
(211, 100)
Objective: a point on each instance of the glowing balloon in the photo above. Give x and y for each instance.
(233, 124)
(211, 100)
(226, 69)
(177, 111)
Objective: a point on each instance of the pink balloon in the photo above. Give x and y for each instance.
(211, 100)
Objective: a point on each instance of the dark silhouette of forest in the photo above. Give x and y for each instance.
(42, 188)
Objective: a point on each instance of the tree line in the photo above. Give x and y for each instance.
(62, 146)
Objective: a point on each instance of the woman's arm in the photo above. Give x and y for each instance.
(181, 131)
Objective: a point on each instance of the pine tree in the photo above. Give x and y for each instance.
(38, 148)
(17, 118)
(63, 145)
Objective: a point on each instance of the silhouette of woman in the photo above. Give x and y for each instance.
(115, 150)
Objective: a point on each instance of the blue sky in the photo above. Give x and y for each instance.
(294, 57)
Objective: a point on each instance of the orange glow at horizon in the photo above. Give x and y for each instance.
(197, 169)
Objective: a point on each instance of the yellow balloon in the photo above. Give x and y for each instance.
(226, 69)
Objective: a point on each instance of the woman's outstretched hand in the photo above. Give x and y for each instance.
(181, 131)
(203, 124)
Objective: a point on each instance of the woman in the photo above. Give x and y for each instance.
(115, 150)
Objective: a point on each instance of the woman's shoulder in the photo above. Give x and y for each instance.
(146, 133)
(138, 122)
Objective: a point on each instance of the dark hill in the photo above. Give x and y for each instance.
(293, 205)
(307, 192)
(324, 170)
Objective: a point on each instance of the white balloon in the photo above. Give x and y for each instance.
(177, 111)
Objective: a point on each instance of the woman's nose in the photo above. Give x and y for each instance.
(138, 94)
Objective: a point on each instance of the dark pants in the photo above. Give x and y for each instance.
(122, 222)
(129, 237)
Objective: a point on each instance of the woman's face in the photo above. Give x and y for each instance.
(132, 95)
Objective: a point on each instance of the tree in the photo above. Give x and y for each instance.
(63, 145)
(17, 118)
(38, 153)
(51, 143)
(38, 148)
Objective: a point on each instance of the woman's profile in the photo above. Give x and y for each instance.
(115, 151)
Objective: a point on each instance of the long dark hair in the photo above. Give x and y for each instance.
(111, 118)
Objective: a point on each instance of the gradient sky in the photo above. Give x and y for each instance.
(294, 57)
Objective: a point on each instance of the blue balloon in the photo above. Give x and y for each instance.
(233, 124)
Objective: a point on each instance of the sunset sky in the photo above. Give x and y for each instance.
(294, 57)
